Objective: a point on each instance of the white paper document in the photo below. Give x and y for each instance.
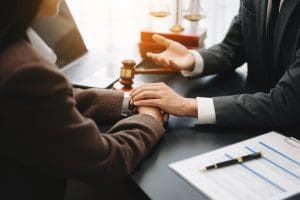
(276, 175)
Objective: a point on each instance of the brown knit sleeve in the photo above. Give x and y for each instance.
(44, 128)
(99, 104)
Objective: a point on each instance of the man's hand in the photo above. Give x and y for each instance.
(176, 55)
(161, 96)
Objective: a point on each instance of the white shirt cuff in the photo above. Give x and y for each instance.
(199, 65)
(206, 111)
(125, 104)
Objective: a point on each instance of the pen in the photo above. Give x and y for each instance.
(233, 161)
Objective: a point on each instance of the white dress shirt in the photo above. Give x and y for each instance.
(206, 108)
(48, 54)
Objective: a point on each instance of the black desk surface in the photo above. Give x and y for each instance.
(184, 138)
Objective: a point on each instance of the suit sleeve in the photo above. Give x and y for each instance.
(227, 55)
(47, 130)
(278, 108)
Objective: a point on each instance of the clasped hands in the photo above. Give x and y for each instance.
(159, 95)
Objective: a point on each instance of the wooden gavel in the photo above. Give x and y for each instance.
(128, 70)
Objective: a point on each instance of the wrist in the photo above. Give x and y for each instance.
(190, 108)
(153, 112)
(192, 66)
(196, 66)
(157, 116)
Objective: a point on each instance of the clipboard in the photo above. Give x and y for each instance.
(293, 141)
(274, 176)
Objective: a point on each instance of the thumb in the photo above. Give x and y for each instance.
(162, 40)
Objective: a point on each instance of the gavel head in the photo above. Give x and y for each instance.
(127, 74)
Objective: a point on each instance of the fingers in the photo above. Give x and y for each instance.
(152, 56)
(145, 95)
(156, 57)
(162, 40)
(163, 58)
(147, 87)
(159, 59)
(148, 102)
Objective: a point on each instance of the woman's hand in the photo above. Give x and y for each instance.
(154, 112)
(161, 96)
(175, 56)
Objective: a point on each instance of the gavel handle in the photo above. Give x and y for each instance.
(155, 70)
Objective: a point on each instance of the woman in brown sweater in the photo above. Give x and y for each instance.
(48, 126)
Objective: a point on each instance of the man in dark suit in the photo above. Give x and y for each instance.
(266, 35)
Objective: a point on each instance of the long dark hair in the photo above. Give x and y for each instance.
(15, 17)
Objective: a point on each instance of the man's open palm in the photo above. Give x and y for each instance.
(176, 55)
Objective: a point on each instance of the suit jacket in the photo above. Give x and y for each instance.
(47, 126)
(278, 102)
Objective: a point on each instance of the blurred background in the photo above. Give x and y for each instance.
(107, 24)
